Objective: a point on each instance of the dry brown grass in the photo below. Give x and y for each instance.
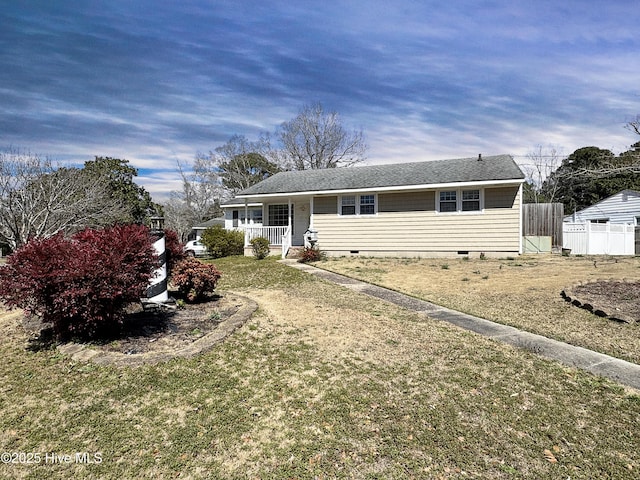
(322, 382)
(523, 292)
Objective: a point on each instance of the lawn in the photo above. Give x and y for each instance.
(321, 383)
(523, 292)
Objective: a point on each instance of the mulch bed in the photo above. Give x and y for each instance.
(615, 299)
(152, 330)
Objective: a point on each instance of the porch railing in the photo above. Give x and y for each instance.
(273, 234)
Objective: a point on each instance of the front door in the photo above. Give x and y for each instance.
(300, 223)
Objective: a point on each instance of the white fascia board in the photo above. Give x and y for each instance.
(430, 186)
(238, 205)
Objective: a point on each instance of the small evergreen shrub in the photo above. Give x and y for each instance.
(194, 279)
(223, 243)
(311, 254)
(260, 247)
(82, 284)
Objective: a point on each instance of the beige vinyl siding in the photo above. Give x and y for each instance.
(419, 230)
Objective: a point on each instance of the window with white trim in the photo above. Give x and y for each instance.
(367, 204)
(279, 215)
(470, 200)
(453, 201)
(358, 204)
(448, 201)
(348, 205)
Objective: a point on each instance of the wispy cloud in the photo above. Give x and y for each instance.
(156, 82)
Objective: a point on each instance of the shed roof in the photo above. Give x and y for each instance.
(210, 223)
(460, 170)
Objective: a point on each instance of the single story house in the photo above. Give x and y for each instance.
(465, 206)
(621, 208)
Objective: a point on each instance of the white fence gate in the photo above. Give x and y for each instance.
(599, 238)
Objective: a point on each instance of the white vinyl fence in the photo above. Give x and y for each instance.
(599, 238)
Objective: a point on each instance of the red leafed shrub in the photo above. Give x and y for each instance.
(311, 254)
(174, 249)
(194, 279)
(80, 284)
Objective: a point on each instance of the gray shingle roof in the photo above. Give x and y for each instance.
(499, 167)
(210, 223)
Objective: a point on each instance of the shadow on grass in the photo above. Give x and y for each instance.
(141, 324)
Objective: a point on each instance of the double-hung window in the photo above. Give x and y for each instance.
(367, 204)
(451, 201)
(471, 200)
(348, 205)
(358, 205)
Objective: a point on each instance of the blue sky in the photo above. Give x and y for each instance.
(156, 81)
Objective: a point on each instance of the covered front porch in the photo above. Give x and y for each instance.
(283, 221)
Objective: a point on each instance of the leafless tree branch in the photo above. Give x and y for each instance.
(315, 139)
(38, 199)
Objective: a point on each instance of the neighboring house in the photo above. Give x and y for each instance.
(196, 232)
(623, 207)
(609, 227)
(448, 207)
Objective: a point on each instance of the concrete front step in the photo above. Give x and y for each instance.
(295, 252)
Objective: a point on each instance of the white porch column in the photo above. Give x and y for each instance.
(289, 220)
(246, 223)
(311, 213)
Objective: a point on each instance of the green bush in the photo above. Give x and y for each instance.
(223, 243)
(260, 247)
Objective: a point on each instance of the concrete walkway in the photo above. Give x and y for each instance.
(623, 372)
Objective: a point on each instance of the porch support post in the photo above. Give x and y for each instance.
(289, 219)
(311, 213)
(246, 223)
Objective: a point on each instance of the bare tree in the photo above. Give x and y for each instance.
(634, 125)
(37, 199)
(216, 176)
(240, 163)
(199, 199)
(542, 161)
(316, 139)
(178, 216)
